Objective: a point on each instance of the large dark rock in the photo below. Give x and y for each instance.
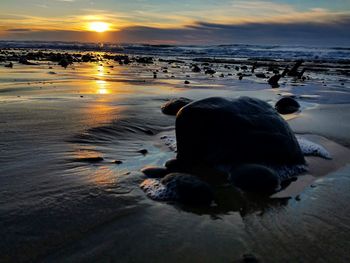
(255, 178)
(174, 105)
(287, 105)
(219, 131)
(188, 188)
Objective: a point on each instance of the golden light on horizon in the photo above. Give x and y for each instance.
(99, 27)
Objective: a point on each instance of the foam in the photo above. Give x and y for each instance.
(313, 149)
(155, 190)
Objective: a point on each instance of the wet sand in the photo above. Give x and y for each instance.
(60, 202)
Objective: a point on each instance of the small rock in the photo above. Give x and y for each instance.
(173, 106)
(155, 172)
(64, 63)
(210, 72)
(196, 69)
(143, 151)
(9, 65)
(96, 159)
(24, 61)
(287, 105)
(188, 188)
(273, 81)
(260, 75)
(117, 161)
(187, 82)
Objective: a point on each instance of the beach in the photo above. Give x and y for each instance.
(74, 139)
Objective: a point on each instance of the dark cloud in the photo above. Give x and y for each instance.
(334, 32)
(18, 30)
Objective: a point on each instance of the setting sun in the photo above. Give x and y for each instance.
(98, 26)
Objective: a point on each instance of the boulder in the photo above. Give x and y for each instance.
(174, 105)
(255, 178)
(219, 131)
(189, 189)
(287, 105)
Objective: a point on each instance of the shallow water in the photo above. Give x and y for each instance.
(58, 202)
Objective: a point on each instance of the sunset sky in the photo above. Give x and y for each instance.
(178, 22)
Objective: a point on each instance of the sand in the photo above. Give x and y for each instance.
(56, 205)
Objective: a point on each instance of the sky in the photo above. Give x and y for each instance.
(178, 22)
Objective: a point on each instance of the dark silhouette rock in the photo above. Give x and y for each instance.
(9, 65)
(96, 159)
(261, 75)
(186, 82)
(273, 81)
(87, 58)
(173, 106)
(189, 189)
(155, 172)
(219, 131)
(143, 151)
(294, 71)
(255, 178)
(253, 67)
(301, 73)
(64, 62)
(210, 72)
(287, 105)
(144, 60)
(24, 61)
(196, 69)
(285, 72)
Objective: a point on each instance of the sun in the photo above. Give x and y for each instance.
(98, 26)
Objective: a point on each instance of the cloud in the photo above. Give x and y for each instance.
(210, 22)
(18, 30)
(333, 32)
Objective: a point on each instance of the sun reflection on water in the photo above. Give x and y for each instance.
(101, 71)
(102, 87)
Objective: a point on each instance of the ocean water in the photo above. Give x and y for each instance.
(61, 202)
(239, 51)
